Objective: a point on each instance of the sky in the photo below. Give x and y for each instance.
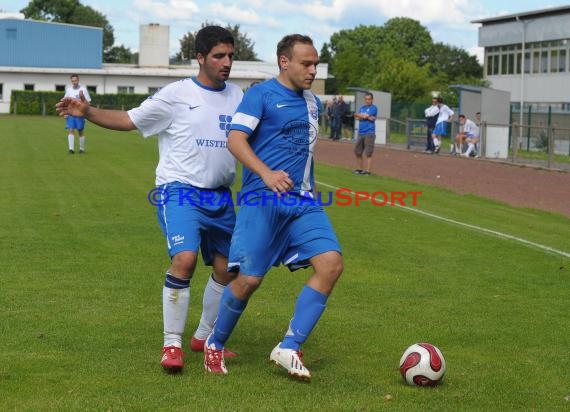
(265, 22)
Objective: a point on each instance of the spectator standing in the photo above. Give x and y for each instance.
(366, 117)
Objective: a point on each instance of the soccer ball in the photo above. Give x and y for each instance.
(422, 364)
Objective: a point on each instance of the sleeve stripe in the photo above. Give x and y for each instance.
(244, 122)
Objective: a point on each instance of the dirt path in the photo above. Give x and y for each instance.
(513, 184)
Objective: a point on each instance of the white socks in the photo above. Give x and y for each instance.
(210, 305)
(470, 148)
(436, 141)
(174, 311)
(71, 142)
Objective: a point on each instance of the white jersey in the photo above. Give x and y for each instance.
(70, 91)
(192, 123)
(470, 128)
(445, 113)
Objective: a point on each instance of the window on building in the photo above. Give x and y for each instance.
(527, 62)
(125, 89)
(28, 86)
(60, 88)
(1, 90)
(562, 66)
(153, 90)
(92, 89)
(536, 62)
(554, 61)
(518, 63)
(544, 61)
(504, 65)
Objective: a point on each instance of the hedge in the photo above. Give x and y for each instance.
(43, 103)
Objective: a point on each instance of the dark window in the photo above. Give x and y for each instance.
(28, 87)
(60, 87)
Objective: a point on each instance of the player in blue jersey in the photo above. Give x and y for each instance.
(191, 118)
(366, 134)
(75, 124)
(273, 135)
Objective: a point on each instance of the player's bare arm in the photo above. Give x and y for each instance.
(276, 180)
(109, 119)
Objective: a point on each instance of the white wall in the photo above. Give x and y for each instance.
(549, 88)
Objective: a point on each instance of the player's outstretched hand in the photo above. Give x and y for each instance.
(74, 107)
(278, 181)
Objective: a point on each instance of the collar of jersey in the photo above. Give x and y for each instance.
(195, 80)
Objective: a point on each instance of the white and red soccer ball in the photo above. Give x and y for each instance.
(422, 364)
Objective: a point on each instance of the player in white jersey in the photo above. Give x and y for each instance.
(469, 134)
(193, 177)
(443, 119)
(75, 124)
(273, 134)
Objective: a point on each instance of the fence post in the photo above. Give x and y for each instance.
(408, 133)
(550, 146)
(515, 141)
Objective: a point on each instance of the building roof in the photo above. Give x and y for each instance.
(525, 15)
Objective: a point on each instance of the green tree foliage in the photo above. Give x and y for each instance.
(73, 12)
(399, 57)
(453, 62)
(409, 38)
(244, 46)
(119, 54)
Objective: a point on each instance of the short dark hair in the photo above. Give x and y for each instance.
(285, 46)
(462, 116)
(367, 94)
(210, 36)
(74, 75)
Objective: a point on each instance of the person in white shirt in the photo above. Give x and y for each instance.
(469, 133)
(441, 127)
(75, 124)
(195, 170)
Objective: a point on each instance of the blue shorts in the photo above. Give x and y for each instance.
(73, 122)
(193, 219)
(271, 233)
(440, 129)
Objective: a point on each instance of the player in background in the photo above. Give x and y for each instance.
(440, 131)
(190, 117)
(468, 134)
(75, 124)
(273, 135)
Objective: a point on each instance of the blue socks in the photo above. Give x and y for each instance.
(231, 309)
(308, 309)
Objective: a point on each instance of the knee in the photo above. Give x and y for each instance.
(183, 264)
(244, 286)
(224, 277)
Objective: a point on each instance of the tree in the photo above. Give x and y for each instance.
(409, 38)
(453, 62)
(119, 54)
(243, 45)
(399, 57)
(73, 12)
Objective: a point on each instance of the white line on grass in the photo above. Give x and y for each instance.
(473, 227)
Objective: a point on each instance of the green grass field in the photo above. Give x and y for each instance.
(83, 263)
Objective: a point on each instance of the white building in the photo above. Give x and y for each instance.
(527, 55)
(152, 73)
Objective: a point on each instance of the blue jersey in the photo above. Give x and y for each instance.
(286, 137)
(366, 126)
